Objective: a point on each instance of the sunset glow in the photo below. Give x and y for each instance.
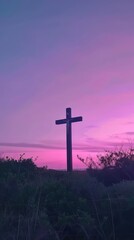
(54, 55)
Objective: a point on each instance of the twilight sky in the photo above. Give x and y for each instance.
(64, 53)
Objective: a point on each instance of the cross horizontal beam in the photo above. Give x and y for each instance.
(71, 120)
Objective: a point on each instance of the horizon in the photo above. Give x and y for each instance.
(56, 55)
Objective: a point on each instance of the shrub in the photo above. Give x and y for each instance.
(113, 167)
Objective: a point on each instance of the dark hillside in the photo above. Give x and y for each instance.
(41, 204)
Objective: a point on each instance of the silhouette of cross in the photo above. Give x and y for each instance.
(69, 119)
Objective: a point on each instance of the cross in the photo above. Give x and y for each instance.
(69, 119)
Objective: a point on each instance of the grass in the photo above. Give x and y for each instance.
(41, 204)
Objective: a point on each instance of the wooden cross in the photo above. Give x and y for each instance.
(68, 121)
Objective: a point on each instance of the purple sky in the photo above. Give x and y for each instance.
(58, 54)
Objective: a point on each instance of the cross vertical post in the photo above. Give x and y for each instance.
(69, 120)
(69, 140)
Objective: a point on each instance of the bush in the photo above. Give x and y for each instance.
(113, 167)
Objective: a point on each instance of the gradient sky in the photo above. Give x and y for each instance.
(56, 54)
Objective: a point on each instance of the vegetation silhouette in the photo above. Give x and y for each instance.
(113, 167)
(41, 204)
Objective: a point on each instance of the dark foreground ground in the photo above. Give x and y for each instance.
(40, 204)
